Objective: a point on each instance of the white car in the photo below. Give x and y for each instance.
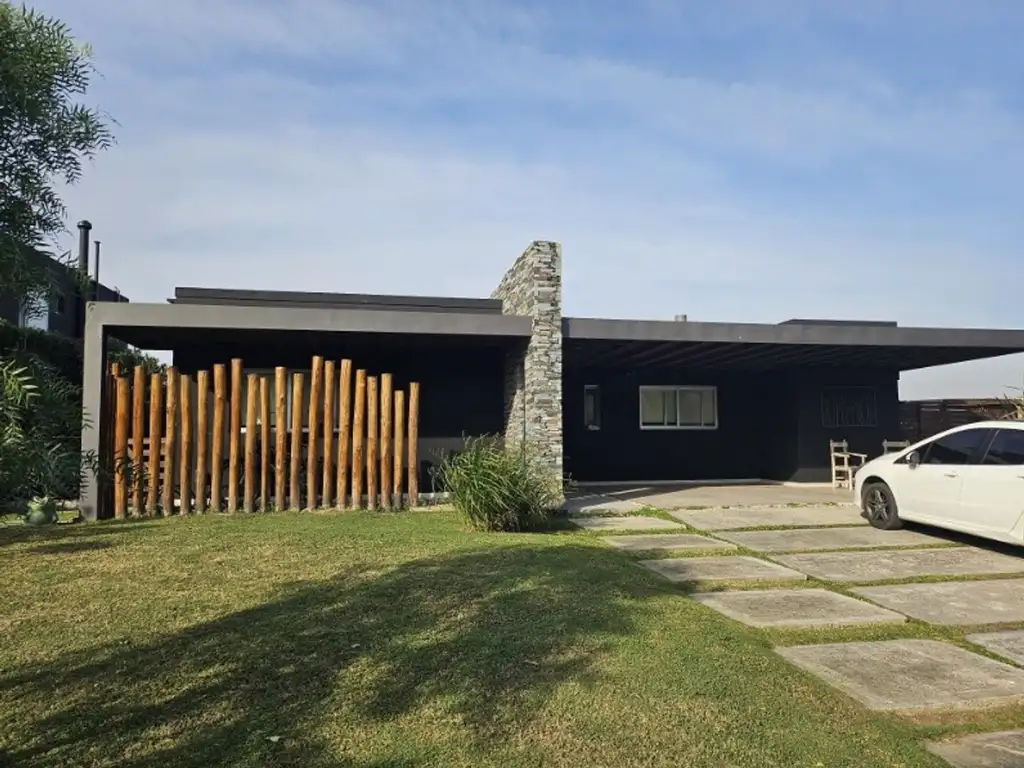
(968, 479)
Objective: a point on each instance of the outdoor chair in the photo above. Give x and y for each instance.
(892, 446)
(845, 463)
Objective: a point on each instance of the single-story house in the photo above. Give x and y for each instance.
(604, 399)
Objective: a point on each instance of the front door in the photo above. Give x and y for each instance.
(930, 492)
(992, 496)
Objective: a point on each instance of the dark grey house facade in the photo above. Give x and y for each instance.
(63, 311)
(604, 399)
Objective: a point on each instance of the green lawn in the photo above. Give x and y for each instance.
(400, 640)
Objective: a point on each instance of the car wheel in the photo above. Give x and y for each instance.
(880, 507)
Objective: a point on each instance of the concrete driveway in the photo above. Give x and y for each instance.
(683, 495)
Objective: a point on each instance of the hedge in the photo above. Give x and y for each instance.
(65, 353)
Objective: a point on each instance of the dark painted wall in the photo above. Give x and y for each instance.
(461, 389)
(63, 304)
(770, 427)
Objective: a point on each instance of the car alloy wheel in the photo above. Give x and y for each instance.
(878, 505)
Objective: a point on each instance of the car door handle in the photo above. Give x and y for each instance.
(951, 474)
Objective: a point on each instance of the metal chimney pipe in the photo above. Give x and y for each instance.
(84, 228)
(96, 272)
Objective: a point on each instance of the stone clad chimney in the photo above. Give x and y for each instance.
(533, 373)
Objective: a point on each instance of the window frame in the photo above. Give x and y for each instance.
(592, 390)
(701, 388)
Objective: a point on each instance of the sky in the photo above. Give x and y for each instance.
(731, 160)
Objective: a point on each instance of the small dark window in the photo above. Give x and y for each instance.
(58, 304)
(1007, 449)
(592, 406)
(849, 407)
(957, 448)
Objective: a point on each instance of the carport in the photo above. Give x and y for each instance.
(457, 351)
(772, 395)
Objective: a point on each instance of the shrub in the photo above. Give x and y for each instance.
(40, 432)
(500, 488)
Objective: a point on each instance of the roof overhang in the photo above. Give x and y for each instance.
(163, 326)
(749, 346)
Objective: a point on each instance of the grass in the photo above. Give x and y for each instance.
(358, 639)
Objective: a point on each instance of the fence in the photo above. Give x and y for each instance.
(923, 418)
(237, 440)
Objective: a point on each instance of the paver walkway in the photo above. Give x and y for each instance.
(902, 674)
(1004, 749)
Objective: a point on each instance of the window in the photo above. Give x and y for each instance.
(678, 408)
(1007, 449)
(592, 407)
(58, 304)
(957, 448)
(35, 313)
(846, 407)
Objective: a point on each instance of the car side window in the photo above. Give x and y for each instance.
(1007, 449)
(957, 448)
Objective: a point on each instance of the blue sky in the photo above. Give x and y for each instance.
(746, 160)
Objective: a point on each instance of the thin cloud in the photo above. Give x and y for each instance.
(291, 146)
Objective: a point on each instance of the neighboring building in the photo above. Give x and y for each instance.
(59, 314)
(604, 399)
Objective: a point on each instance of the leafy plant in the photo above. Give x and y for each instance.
(498, 487)
(40, 431)
(46, 136)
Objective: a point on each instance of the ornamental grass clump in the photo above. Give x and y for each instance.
(500, 488)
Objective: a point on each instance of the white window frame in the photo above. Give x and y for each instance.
(704, 390)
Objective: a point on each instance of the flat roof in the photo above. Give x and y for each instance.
(162, 326)
(321, 300)
(754, 346)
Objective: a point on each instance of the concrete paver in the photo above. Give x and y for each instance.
(667, 542)
(826, 538)
(910, 674)
(797, 608)
(597, 504)
(632, 523)
(1003, 749)
(761, 517)
(702, 570)
(1008, 644)
(901, 564)
(954, 603)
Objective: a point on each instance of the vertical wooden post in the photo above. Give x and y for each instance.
(358, 435)
(316, 401)
(170, 440)
(186, 470)
(234, 449)
(344, 428)
(220, 389)
(156, 416)
(399, 446)
(414, 447)
(329, 422)
(202, 437)
(264, 443)
(386, 459)
(138, 437)
(108, 415)
(280, 434)
(372, 424)
(251, 409)
(122, 412)
(298, 384)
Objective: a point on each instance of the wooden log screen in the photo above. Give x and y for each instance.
(183, 443)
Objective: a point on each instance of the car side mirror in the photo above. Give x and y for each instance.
(913, 459)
